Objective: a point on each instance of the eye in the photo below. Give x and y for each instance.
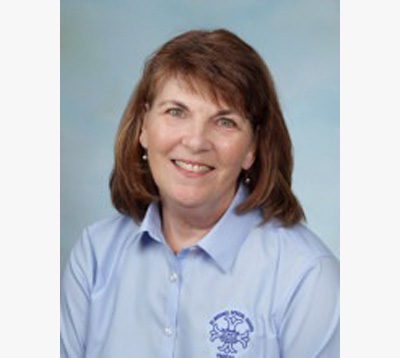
(226, 122)
(175, 112)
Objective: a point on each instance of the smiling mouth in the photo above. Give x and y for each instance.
(193, 167)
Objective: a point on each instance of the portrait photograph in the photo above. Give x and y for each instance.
(200, 179)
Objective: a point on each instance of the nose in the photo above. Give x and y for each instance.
(196, 137)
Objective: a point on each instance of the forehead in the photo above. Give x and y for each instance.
(173, 88)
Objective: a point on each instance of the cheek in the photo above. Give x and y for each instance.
(162, 139)
(233, 153)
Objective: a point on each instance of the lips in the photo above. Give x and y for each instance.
(194, 167)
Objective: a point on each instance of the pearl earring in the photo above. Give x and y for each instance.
(144, 157)
(246, 179)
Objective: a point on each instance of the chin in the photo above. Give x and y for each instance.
(190, 197)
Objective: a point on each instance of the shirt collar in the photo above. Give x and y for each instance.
(225, 239)
(223, 242)
(152, 223)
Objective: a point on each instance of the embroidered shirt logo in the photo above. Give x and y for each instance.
(232, 329)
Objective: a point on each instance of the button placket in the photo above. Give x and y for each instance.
(168, 331)
(173, 277)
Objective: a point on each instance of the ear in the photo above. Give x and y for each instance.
(251, 154)
(249, 158)
(143, 138)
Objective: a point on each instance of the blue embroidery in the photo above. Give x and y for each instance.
(233, 329)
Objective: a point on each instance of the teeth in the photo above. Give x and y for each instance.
(192, 167)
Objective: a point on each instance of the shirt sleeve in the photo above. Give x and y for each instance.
(75, 298)
(310, 324)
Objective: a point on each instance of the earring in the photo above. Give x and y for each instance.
(144, 157)
(247, 179)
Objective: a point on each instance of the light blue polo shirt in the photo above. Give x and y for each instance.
(245, 290)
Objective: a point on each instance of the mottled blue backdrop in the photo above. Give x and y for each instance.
(104, 44)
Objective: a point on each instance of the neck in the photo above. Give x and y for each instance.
(184, 227)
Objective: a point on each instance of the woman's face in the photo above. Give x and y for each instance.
(196, 149)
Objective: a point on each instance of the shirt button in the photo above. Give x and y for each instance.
(168, 331)
(173, 277)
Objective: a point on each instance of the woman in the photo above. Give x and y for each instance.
(208, 257)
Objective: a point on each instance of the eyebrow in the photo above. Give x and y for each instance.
(222, 112)
(176, 103)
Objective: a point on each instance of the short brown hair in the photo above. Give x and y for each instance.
(230, 71)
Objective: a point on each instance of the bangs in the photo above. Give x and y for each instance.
(220, 91)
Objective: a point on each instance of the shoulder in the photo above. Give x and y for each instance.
(101, 245)
(109, 237)
(296, 260)
(111, 233)
(292, 253)
(295, 243)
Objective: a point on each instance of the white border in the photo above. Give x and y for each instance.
(370, 179)
(29, 143)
